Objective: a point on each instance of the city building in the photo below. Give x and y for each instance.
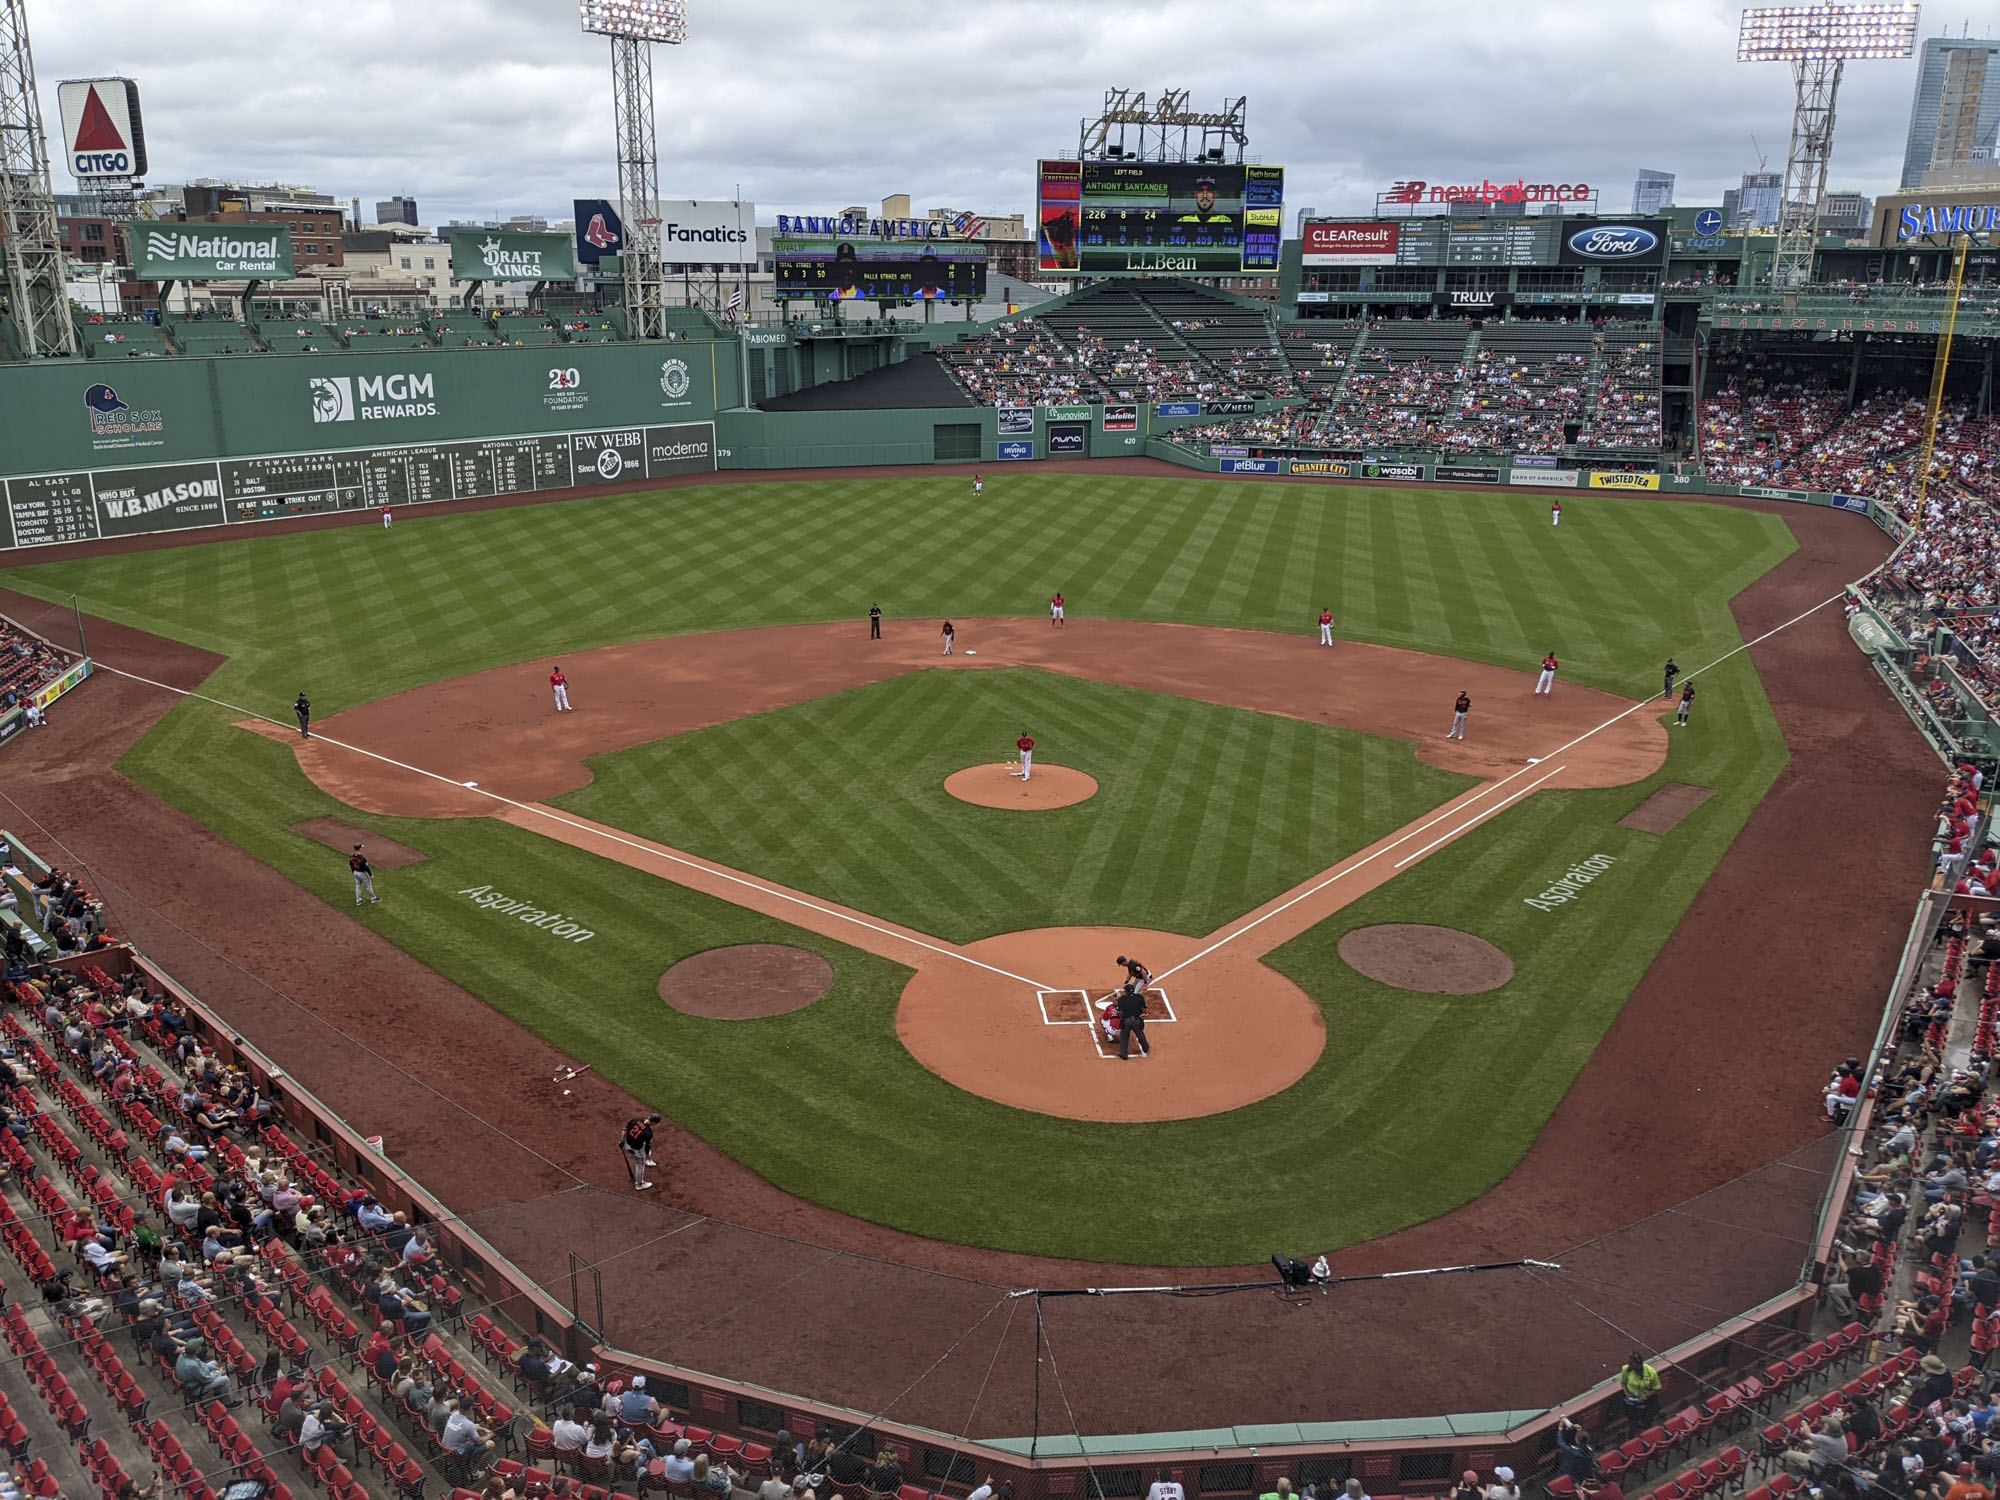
(1754, 205)
(397, 210)
(1652, 191)
(1955, 114)
(1845, 214)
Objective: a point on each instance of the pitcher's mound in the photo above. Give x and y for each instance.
(1000, 785)
(1436, 960)
(748, 980)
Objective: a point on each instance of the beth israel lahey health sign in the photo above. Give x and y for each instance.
(510, 255)
(211, 252)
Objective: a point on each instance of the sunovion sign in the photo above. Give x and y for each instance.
(207, 252)
(1917, 222)
(1588, 242)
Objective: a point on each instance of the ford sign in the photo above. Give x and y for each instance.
(1613, 242)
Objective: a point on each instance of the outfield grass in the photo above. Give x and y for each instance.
(1202, 812)
(1373, 1138)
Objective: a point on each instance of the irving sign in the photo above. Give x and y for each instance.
(509, 255)
(212, 252)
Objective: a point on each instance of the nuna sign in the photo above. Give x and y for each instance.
(103, 134)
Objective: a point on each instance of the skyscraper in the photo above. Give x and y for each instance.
(1955, 114)
(1652, 191)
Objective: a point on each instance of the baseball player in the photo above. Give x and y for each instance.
(950, 634)
(1687, 704)
(302, 706)
(978, 484)
(364, 875)
(1056, 609)
(1136, 973)
(1546, 683)
(1458, 712)
(560, 685)
(874, 622)
(1673, 671)
(388, 518)
(1325, 627)
(1026, 745)
(1555, 512)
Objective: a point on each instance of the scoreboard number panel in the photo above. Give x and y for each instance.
(1166, 216)
(48, 509)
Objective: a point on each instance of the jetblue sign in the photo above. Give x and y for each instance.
(1588, 242)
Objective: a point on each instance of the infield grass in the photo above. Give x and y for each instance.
(1417, 1104)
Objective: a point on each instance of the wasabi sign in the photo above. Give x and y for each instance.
(510, 255)
(212, 252)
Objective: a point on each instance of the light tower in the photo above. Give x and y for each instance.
(1816, 40)
(633, 26)
(37, 283)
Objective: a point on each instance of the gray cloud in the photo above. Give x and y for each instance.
(502, 106)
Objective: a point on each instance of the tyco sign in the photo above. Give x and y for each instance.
(212, 252)
(103, 135)
(507, 255)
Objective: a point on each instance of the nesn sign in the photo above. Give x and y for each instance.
(1613, 241)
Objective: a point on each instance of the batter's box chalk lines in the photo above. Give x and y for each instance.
(609, 835)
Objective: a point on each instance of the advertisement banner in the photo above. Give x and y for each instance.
(1177, 409)
(708, 232)
(163, 251)
(1467, 476)
(509, 255)
(1016, 421)
(1014, 452)
(1561, 479)
(1624, 481)
(1594, 242)
(1066, 439)
(599, 230)
(1121, 419)
(1066, 413)
(1349, 245)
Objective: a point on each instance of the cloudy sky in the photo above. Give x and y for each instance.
(493, 107)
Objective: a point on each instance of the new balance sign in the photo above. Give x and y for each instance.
(213, 253)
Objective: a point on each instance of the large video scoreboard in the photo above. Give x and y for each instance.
(1201, 218)
(864, 270)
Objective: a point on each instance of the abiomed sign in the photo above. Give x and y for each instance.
(214, 252)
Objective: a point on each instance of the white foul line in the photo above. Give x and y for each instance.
(1617, 718)
(652, 851)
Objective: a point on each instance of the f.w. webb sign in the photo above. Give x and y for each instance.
(212, 252)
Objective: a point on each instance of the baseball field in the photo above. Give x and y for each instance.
(1258, 799)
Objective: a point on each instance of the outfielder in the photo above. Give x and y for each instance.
(364, 875)
(1325, 627)
(1546, 683)
(1458, 712)
(1026, 745)
(560, 685)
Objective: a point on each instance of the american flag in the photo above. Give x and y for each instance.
(969, 226)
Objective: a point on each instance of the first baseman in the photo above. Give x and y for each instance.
(1026, 745)
(1458, 712)
(364, 875)
(1325, 627)
(560, 684)
(1546, 683)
